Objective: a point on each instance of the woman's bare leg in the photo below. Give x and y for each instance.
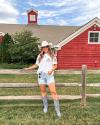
(43, 90)
(53, 91)
(54, 94)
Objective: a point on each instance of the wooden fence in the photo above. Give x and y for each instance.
(82, 95)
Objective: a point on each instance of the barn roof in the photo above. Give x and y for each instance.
(51, 33)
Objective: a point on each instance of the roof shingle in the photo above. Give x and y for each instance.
(50, 33)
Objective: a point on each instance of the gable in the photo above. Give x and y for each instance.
(95, 21)
(31, 11)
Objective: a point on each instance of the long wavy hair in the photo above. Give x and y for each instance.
(50, 52)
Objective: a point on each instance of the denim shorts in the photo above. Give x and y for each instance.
(44, 78)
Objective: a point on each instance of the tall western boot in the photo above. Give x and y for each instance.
(45, 104)
(57, 108)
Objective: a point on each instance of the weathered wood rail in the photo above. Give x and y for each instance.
(82, 85)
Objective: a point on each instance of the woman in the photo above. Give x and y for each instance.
(47, 63)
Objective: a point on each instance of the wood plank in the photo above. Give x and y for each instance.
(38, 97)
(33, 85)
(93, 95)
(68, 71)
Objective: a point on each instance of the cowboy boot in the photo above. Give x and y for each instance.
(45, 104)
(57, 108)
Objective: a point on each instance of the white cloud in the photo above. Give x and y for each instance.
(24, 14)
(9, 20)
(54, 13)
(77, 12)
(57, 21)
(62, 22)
(8, 12)
(47, 13)
(81, 11)
(50, 21)
(89, 9)
(55, 3)
(61, 3)
(30, 3)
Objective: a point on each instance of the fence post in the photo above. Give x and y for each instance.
(83, 89)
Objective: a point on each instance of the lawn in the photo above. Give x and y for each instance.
(32, 78)
(70, 78)
(30, 113)
(36, 91)
(13, 66)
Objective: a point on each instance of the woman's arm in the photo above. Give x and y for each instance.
(31, 67)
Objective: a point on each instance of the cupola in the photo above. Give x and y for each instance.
(32, 16)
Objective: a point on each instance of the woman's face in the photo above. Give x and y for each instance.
(45, 49)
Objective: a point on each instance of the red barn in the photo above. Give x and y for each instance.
(81, 47)
(1, 37)
(77, 45)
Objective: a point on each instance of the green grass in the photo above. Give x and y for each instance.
(36, 91)
(6, 78)
(13, 66)
(30, 113)
(32, 78)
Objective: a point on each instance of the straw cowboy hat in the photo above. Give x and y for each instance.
(45, 43)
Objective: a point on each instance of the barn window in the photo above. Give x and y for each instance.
(32, 17)
(94, 37)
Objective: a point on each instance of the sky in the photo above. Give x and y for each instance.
(50, 12)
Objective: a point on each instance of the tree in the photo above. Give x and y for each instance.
(24, 48)
(4, 54)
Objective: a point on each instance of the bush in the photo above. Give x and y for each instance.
(4, 47)
(24, 48)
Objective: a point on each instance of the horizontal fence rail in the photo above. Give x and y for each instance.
(83, 72)
(21, 71)
(38, 97)
(34, 85)
(31, 85)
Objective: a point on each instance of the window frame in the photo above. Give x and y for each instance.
(89, 37)
(32, 17)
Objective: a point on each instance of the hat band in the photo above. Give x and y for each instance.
(45, 46)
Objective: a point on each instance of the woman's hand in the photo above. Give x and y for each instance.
(50, 72)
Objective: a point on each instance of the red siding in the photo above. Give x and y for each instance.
(1, 39)
(78, 52)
